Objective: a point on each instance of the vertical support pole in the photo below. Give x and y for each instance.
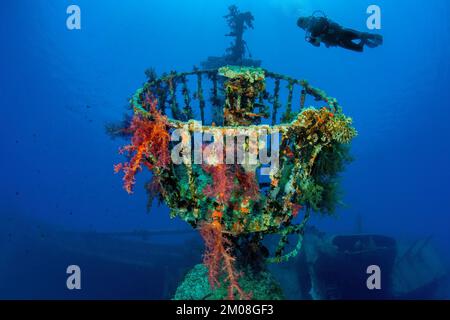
(162, 96)
(276, 103)
(287, 117)
(187, 109)
(216, 103)
(215, 97)
(302, 99)
(200, 96)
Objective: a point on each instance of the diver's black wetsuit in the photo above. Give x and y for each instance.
(321, 29)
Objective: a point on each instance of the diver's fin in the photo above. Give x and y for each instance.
(373, 40)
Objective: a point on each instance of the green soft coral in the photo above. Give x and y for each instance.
(311, 194)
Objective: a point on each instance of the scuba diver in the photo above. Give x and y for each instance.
(323, 30)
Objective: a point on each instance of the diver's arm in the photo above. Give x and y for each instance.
(315, 41)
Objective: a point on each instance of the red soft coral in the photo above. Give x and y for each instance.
(149, 144)
(223, 183)
(248, 184)
(296, 209)
(218, 259)
(228, 180)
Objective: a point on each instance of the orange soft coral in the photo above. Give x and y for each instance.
(219, 260)
(149, 144)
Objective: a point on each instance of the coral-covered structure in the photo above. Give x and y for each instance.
(236, 204)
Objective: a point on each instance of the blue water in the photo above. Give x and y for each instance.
(59, 88)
